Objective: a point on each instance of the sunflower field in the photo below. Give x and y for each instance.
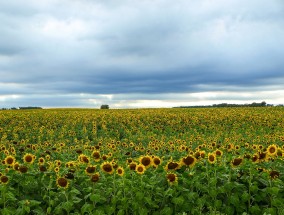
(142, 161)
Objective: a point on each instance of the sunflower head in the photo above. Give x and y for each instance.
(4, 179)
(107, 167)
(10, 160)
(188, 161)
(132, 166)
(16, 166)
(171, 165)
(41, 160)
(23, 169)
(140, 169)
(156, 161)
(90, 170)
(120, 171)
(62, 182)
(42, 168)
(236, 162)
(83, 158)
(254, 158)
(96, 155)
(29, 158)
(211, 158)
(146, 161)
(272, 150)
(172, 178)
(218, 153)
(95, 177)
(274, 174)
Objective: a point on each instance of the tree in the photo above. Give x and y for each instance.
(104, 107)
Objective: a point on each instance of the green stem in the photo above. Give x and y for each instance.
(249, 188)
(66, 196)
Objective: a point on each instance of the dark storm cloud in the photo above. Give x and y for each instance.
(55, 50)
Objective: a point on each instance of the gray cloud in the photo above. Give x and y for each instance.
(51, 48)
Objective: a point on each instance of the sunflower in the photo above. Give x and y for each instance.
(56, 169)
(274, 174)
(202, 154)
(140, 169)
(236, 162)
(10, 160)
(41, 160)
(62, 182)
(69, 175)
(272, 150)
(172, 178)
(146, 161)
(83, 158)
(58, 163)
(188, 161)
(16, 166)
(29, 158)
(95, 177)
(42, 168)
(211, 158)
(132, 165)
(120, 171)
(262, 156)
(90, 170)
(4, 179)
(230, 147)
(218, 153)
(107, 167)
(129, 160)
(23, 169)
(197, 154)
(96, 155)
(237, 147)
(171, 165)
(255, 158)
(156, 161)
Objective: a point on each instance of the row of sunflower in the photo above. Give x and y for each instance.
(148, 161)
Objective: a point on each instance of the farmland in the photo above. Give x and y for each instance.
(144, 161)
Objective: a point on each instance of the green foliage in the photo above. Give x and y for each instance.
(121, 135)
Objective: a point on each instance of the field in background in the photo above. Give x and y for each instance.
(144, 161)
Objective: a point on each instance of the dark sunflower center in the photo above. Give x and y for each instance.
(145, 161)
(107, 168)
(62, 182)
(96, 155)
(28, 158)
(171, 177)
(23, 169)
(4, 179)
(172, 165)
(188, 160)
(211, 158)
(157, 161)
(132, 166)
(91, 169)
(95, 178)
(10, 160)
(237, 161)
(272, 150)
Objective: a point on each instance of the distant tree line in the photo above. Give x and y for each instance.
(21, 108)
(254, 104)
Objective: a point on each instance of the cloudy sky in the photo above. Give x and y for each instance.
(140, 53)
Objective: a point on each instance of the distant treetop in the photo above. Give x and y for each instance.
(104, 107)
